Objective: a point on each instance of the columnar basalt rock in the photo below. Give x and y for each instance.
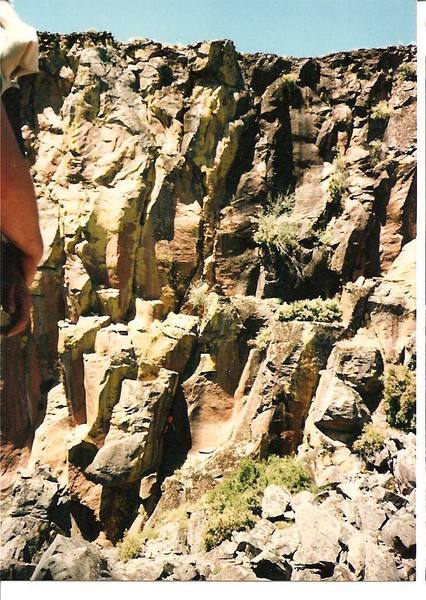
(187, 195)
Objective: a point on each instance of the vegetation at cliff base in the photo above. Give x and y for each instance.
(234, 503)
(400, 397)
(318, 309)
(365, 71)
(132, 544)
(369, 443)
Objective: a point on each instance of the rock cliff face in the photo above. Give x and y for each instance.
(193, 201)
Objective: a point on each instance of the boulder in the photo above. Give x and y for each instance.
(404, 467)
(338, 410)
(144, 569)
(269, 566)
(284, 542)
(253, 540)
(23, 540)
(310, 73)
(361, 366)
(356, 552)
(369, 515)
(399, 532)
(319, 536)
(380, 563)
(40, 496)
(70, 560)
(275, 502)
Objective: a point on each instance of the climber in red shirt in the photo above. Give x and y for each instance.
(169, 423)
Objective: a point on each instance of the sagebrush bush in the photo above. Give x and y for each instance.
(263, 338)
(222, 524)
(132, 544)
(180, 514)
(407, 71)
(233, 504)
(337, 181)
(130, 547)
(289, 472)
(289, 82)
(369, 443)
(400, 397)
(276, 231)
(281, 204)
(381, 111)
(322, 238)
(318, 309)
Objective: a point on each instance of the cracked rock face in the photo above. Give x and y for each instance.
(158, 359)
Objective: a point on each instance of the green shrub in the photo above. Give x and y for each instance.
(275, 230)
(277, 233)
(407, 71)
(323, 238)
(131, 545)
(326, 311)
(289, 472)
(400, 397)
(289, 82)
(263, 338)
(233, 503)
(370, 442)
(381, 111)
(337, 181)
(221, 525)
(375, 148)
(238, 490)
(281, 204)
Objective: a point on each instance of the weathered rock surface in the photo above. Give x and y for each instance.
(144, 380)
(37, 509)
(70, 560)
